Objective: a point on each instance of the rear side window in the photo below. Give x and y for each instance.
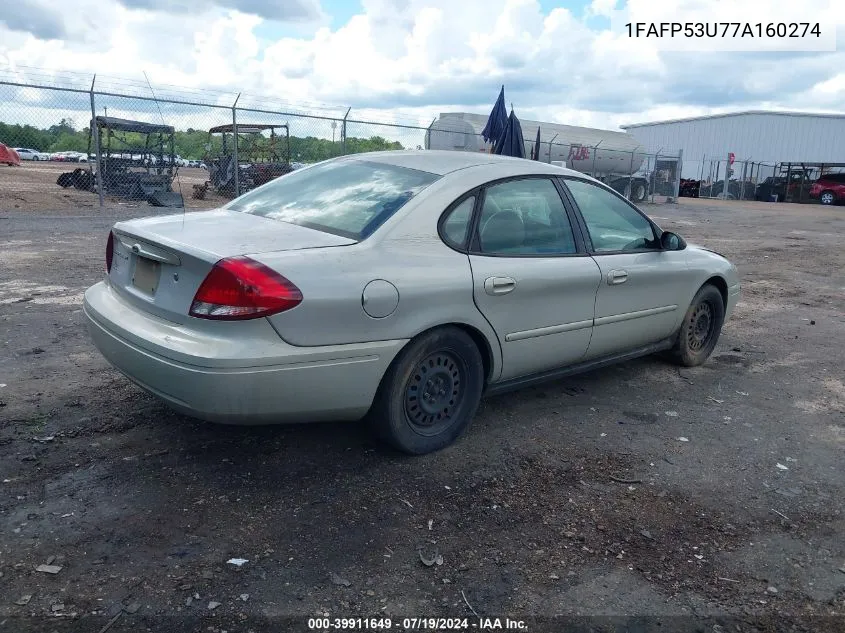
(525, 217)
(351, 198)
(455, 227)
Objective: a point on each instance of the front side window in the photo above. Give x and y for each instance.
(612, 223)
(524, 217)
(351, 198)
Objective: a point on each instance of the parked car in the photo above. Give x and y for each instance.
(829, 189)
(689, 188)
(69, 157)
(796, 189)
(400, 287)
(737, 190)
(31, 154)
(8, 156)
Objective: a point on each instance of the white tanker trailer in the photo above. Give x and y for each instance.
(615, 158)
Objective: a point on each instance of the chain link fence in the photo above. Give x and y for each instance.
(175, 147)
(638, 175)
(744, 179)
(754, 180)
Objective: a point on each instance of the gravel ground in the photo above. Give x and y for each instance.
(706, 499)
(32, 187)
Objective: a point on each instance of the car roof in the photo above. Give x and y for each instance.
(442, 162)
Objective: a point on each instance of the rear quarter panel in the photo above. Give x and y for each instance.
(433, 282)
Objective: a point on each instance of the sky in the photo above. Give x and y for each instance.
(406, 60)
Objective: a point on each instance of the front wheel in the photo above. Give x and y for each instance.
(701, 327)
(827, 198)
(430, 393)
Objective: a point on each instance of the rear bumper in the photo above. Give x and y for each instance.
(245, 375)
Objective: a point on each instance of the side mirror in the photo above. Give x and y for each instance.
(672, 241)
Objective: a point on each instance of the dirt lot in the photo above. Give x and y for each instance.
(706, 499)
(32, 187)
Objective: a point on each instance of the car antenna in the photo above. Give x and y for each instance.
(163, 122)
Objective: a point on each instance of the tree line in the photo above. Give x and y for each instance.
(190, 144)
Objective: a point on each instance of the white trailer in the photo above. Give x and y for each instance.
(615, 158)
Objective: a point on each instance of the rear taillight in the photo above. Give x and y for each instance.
(109, 251)
(242, 288)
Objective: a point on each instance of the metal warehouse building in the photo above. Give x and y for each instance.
(771, 138)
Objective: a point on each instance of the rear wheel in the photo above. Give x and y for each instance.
(430, 393)
(827, 197)
(638, 191)
(701, 327)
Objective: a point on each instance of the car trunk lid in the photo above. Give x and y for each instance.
(158, 263)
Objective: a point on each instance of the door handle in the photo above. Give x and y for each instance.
(499, 285)
(615, 277)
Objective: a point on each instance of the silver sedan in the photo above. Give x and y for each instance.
(399, 287)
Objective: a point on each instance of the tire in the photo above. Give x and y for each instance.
(443, 360)
(827, 198)
(638, 191)
(700, 328)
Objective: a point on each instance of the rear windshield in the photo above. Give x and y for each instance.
(351, 198)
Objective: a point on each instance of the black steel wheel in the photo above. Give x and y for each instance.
(701, 327)
(435, 392)
(430, 393)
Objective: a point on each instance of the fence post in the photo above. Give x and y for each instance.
(630, 186)
(676, 189)
(652, 177)
(235, 146)
(716, 178)
(726, 190)
(95, 131)
(550, 150)
(595, 151)
(427, 141)
(343, 131)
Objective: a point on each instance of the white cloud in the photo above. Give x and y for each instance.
(601, 7)
(287, 10)
(407, 60)
(32, 16)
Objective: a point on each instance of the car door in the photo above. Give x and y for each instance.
(642, 287)
(532, 277)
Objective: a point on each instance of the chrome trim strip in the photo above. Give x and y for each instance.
(580, 325)
(627, 316)
(551, 329)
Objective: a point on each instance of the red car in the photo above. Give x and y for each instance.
(829, 189)
(9, 156)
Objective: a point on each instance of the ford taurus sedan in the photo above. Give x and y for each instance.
(398, 287)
